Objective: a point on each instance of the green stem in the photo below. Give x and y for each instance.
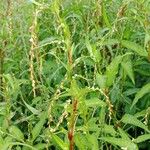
(1, 72)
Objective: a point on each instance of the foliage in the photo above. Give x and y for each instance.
(74, 74)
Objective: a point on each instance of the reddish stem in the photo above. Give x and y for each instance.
(72, 125)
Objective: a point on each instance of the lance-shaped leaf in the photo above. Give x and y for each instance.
(112, 70)
(16, 132)
(142, 138)
(101, 80)
(59, 142)
(130, 119)
(127, 66)
(144, 90)
(38, 127)
(122, 143)
(123, 134)
(135, 47)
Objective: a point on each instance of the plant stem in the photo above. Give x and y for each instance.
(72, 124)
(1, 72)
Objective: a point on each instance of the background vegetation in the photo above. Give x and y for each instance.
(74, 74)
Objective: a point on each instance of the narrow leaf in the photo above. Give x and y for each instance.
(129, 119)
(121, 143)
(127, 66)
(32, 109)
(101, 80)
(144, 90)
(50, 40)
(109, 129)
(112, 70)
(105, 16)
(1, 141)
(142, 138)
(60, 142)
(92, 139)
(135, 47)
(38, 127)
(89, 47)
(81, 141)
(16, 132)
(123, 134)
(35, 2)
(110, 42)
(40, 146)
(95, 102)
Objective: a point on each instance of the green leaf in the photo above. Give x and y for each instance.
(1, 141)
(88, 61)
(110, 42)
(81, 141)
(5, 146)
(101, 80)
(59, 142)
(32, 109)
(25, 146)
(48, 41)
(105, 16)
(122, 143)
(147, 39)
(38, 127)
(18, 148)
(144, 90)
(93, 102)
(40, 146)
(127, 66)
(129, 119)
(123, 134)
(76, 91)
(135, 47)
(93, 142)
(8, 140)
(97, 55)
(112, 70)
(91, 125)
(89, 47)
(94, 53)
(131, 91)
(141, 113)
(16, 132)
(142, 138)
(36, 3)
(109, 129)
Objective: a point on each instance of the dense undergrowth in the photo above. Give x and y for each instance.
(74, 74)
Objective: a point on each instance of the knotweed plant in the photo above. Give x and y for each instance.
(74, 74)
